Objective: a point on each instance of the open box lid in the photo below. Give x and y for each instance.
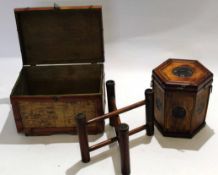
(60, 35)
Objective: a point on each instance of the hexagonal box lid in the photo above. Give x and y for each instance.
(182, 74)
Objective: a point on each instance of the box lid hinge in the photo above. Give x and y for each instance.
(56, 6)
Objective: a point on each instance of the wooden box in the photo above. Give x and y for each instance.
(63, 73)
(181, 95)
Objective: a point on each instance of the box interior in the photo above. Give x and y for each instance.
(59, 80)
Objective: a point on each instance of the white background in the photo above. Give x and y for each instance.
(139, 35)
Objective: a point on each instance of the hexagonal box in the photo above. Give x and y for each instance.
(181, 94)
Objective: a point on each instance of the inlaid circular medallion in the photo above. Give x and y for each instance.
(183, 71)
(179, 112)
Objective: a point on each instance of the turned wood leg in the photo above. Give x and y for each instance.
(123, 135)
(110, 84)
(149, 105)
(83, 137)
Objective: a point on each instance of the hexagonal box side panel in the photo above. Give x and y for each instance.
(201, 105)
(178, 111)
(159, 104)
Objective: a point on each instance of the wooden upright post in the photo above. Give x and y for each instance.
(83, 137)
(110, 84)
(149, 105)
(123, 136)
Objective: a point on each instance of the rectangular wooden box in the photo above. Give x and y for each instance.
(63, 72)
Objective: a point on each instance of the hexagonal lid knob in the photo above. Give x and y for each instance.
(182, 74)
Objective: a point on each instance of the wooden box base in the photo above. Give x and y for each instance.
(180, 135)
(45, 99)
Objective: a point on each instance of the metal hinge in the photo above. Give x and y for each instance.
(56, 6)
(211, 88)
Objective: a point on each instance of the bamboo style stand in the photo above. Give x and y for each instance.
(121, 129)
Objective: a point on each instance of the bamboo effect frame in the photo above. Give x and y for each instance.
(121, 129)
